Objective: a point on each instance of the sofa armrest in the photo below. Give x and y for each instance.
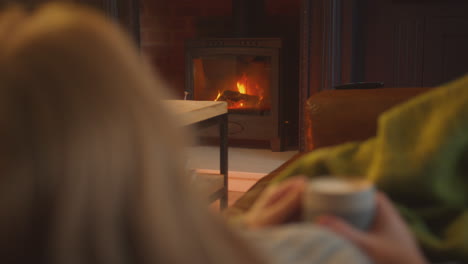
(337, 116)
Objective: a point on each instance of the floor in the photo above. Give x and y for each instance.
(251, 160)
(246, 165)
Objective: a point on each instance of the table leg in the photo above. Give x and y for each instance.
(223, 157)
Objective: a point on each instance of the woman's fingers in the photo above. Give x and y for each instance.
(388, 240)
(278, 203)
(345, 230)
(286, 204)
(277, 193)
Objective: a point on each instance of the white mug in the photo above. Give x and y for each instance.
(352, 200)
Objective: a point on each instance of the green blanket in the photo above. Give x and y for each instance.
(420, 159)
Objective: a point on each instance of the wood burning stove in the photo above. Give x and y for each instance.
(244, 72)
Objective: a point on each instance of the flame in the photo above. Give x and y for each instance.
(217, 97)
(241, 88)
(242, 84)
(253, 94)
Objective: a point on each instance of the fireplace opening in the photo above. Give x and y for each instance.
(243, 68)
(243, 81)
(244, 72)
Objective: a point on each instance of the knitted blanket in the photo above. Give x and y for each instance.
(420, 159)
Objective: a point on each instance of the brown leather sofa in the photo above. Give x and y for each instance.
(333, 117)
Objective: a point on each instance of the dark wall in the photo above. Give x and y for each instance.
(403, 43)
(414, 43)
(411, 43)
(126, 12)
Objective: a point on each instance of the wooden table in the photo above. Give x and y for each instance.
(202, 114)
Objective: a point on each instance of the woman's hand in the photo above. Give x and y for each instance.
(278, 204)
(388, 241)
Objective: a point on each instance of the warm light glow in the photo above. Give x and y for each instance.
(250, 94)
(260, 94)
(217, 97)
(241, 88)
(242, 84)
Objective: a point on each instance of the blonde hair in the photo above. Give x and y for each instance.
(90, 160)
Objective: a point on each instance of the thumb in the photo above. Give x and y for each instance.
(345, 230)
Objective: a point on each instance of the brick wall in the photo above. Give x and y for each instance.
(282, 7)
(166, 24)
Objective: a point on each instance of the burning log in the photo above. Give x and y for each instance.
(237, 99)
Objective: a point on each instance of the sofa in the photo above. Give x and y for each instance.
(332, 117)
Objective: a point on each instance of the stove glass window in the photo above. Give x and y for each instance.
(243, 81)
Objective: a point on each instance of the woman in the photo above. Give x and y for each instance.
(90, 164)
(92, 167)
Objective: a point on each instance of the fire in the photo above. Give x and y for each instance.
(241, 88)
(242, 84)
(248, 94)
(217, 97)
